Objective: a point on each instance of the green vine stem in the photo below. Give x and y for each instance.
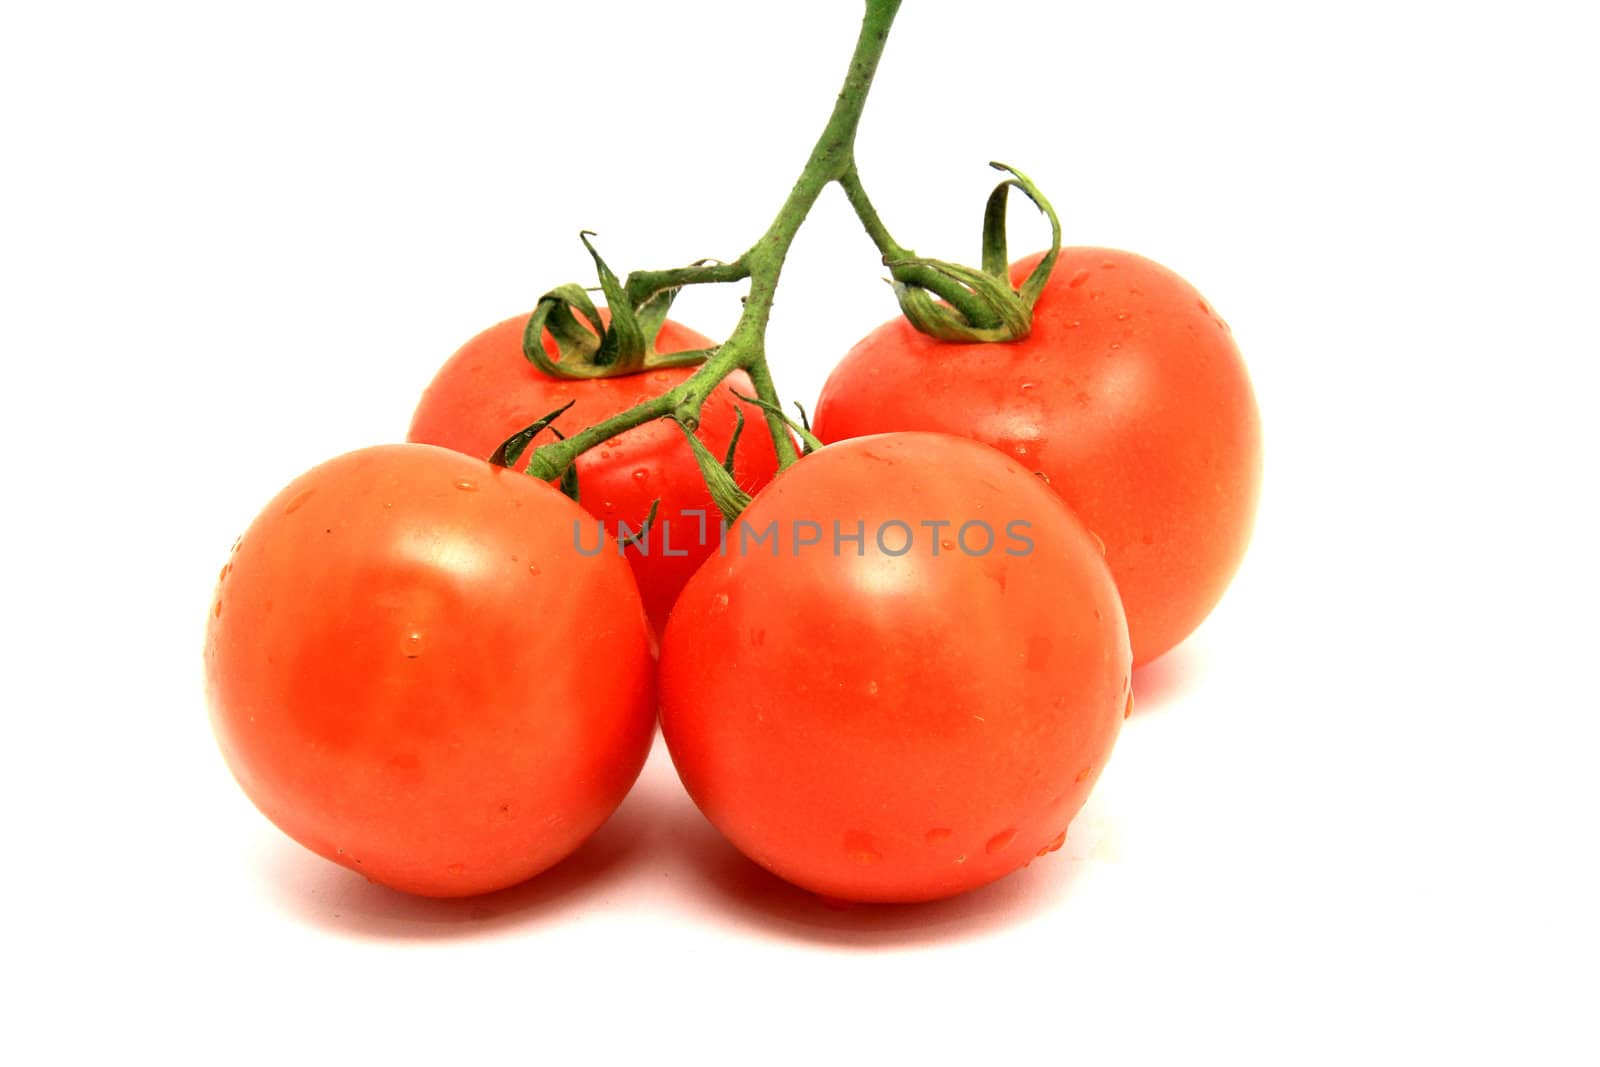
(831, 159)
(973, 304)
(977, 305)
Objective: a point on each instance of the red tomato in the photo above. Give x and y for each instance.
(412, 671)
(913, 721)
(488, 391)
(1129, 396)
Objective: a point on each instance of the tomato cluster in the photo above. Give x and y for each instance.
(895, 676)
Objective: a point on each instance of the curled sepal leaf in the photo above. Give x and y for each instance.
(995, 260)
(733, 441)
(589, 347)
(631, 538)
(809, 442)
(540, 465)
(1000, 313)
(978, 304)
(725, 492)
(512, 448)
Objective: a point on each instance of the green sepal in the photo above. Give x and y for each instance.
(540, 467)
(995, 260)
(809, 441)
(725, 492)
(622, 346)
(636, 539)
(978, 304)
(586, 346)
(1013, 318)
(512, 448)
(733, 441)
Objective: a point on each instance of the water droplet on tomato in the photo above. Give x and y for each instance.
(533, 569)
(1115, 345)
(937, 834)
(1027, 387)
(1123, 316)
(1127, 709)
(641, 474)
(999, 841)
(1074, 324)
(947, 545)
(411, 644)
(299, 501)
(456, 869)
(1108, 265)
(467, 485)
(605, 453)
(1101, 545)
(1042, 476)
(859, 847)
(872, 689)
(1055, 843)
(1077, 279)
(719, 603)
(216, 612)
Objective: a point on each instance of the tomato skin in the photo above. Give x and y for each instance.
(488, 391)
(1129, 395)
(393, 675)
(883, 728)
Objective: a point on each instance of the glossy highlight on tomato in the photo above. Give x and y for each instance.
(913, 714)
(393, 678)
(1129, 397)
(488, 391)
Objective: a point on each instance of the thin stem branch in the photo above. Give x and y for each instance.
(549, 461)
(643, 284)
(897, 258)
(856, 193)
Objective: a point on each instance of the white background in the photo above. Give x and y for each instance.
(1353, 815)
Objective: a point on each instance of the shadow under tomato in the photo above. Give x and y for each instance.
(1163, 682)
(324, 894)
(749, 894)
